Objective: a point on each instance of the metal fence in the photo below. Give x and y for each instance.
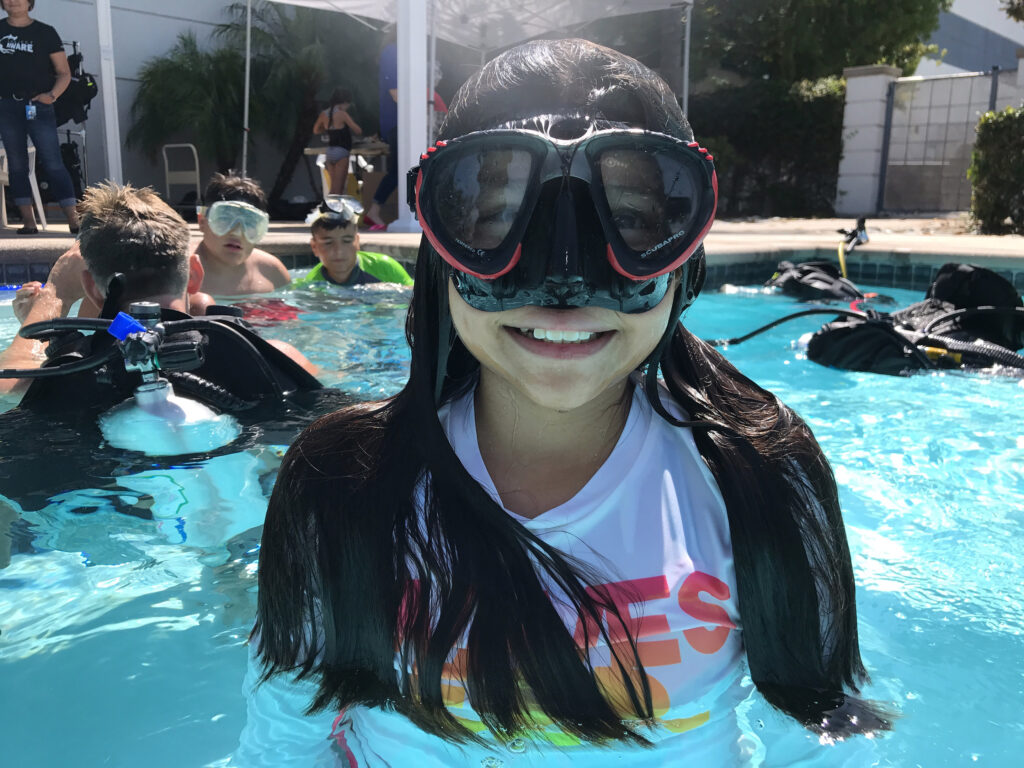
(929, 133)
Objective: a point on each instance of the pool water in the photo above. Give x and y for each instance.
(127, 596)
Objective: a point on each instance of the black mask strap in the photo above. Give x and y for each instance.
(115, 290)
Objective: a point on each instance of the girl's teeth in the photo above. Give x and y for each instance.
(559, 337)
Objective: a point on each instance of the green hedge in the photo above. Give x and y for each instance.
(776, 145)
(997, 172)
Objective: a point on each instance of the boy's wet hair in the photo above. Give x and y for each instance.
(233, 186)
(324, 224)
(133, 231)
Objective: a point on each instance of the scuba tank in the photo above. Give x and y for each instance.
(155, 420)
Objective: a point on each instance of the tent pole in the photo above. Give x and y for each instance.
(245, 103)
(108, 87)
(412, 117)
(431, 65)
(686, 58)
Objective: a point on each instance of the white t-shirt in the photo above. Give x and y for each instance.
(652, 520)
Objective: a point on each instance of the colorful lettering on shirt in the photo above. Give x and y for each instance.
(705, 640)
(653, 653)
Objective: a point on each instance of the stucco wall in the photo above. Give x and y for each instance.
(143, 29)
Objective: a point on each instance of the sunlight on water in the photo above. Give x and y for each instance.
(133, 589)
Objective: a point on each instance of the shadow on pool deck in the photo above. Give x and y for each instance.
(758, 244)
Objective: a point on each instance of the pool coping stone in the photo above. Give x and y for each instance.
(900, 253)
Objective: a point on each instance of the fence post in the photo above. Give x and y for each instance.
(994, 90)
(883, 164)
(860, 168)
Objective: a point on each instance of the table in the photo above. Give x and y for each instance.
(366, 148)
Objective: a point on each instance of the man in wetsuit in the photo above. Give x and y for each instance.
(133, 247)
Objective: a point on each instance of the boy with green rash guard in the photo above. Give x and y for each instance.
(335, 242)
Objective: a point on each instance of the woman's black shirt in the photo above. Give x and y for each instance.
(25, 66)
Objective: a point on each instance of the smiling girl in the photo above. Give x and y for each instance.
(577, 526)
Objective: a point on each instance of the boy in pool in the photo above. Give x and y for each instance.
(577, 527)
(233, 220)
(132, 235)
(334, 238)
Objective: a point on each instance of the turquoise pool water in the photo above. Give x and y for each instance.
(127, 597)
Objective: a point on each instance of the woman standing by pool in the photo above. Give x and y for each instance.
(538, 553)
(34, 72)
(339, 126)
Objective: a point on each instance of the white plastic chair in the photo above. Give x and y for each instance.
(5, 179)
(185, 176)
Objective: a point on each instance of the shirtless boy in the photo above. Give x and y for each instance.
(233, 221)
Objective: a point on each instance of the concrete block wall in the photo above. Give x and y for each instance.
(860, 168)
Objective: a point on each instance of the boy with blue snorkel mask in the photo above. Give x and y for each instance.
(233, 221)
(334, 240)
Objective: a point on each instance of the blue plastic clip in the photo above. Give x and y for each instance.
(124, 324)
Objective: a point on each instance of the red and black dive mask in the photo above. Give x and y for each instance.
(526, 219)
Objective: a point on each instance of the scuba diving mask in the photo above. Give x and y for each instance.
(604, 220)
(224, 216)
(336, 211)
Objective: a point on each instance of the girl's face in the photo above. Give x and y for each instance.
(559, 359)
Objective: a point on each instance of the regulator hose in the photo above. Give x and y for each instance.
(785, 319)
(214, 394)
(199, 324)
(981, 347)
(85, 364)
(972, 312)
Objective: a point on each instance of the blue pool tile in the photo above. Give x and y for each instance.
(15, 274)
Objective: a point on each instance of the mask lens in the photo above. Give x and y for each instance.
(225, 215)
(479, 196)
(650, 196)
(658, 199)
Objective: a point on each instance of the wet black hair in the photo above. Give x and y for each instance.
(234, 186)
(340, 96)
(346, 535)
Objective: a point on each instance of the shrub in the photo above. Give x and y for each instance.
(782, 145)
(997, 172)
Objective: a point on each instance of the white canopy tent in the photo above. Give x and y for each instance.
(484, 25)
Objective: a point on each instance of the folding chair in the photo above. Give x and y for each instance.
(5, 179)
(185, 176)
